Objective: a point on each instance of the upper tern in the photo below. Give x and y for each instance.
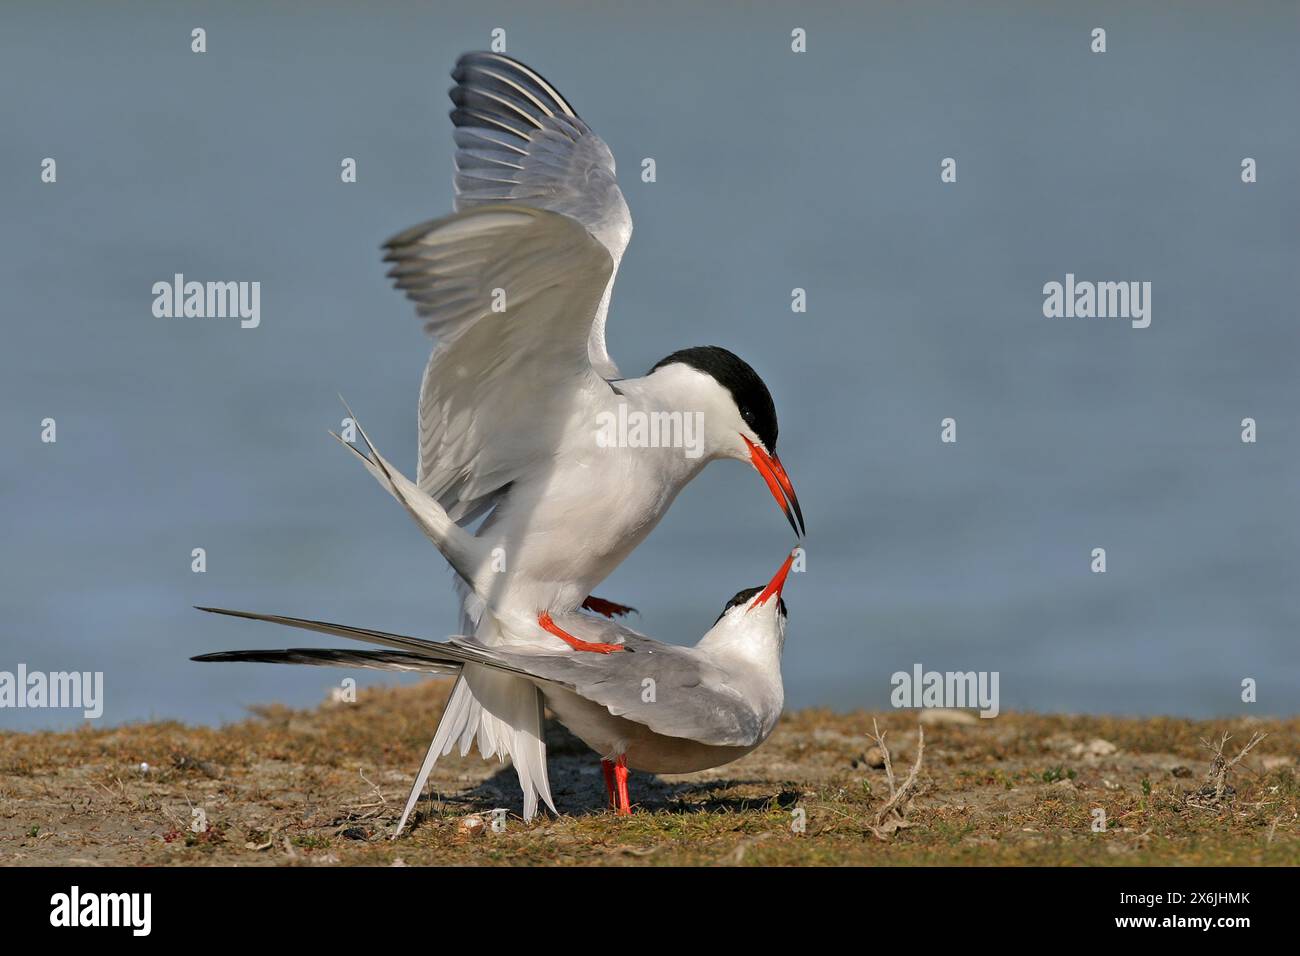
(515, 286)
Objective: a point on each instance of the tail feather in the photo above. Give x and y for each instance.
(517, 733)
(512, 709)
(454, 652)
(510, 724)
(458, 546)
(500, 712)
(492, 704)
(454, 717)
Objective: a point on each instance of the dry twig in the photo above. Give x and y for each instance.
(1216, 788)
(892, 815)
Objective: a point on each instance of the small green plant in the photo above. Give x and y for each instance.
(1053, 774)
(1000, 776)
(34, 831)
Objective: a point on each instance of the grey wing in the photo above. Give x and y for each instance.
(519, 141)
(411, 650)
(336, 657)
(691, 698)
(500, 381)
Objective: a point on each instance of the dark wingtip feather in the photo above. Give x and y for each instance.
(483, 67)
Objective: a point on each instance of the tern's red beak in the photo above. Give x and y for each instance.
(778, 482)
(777, 583)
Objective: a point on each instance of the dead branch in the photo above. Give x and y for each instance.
(892, 815)
(1216, 788)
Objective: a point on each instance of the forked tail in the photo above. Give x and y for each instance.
(462, 550)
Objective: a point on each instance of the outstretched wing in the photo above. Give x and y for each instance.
(497, 379)
(509, 291)
(518, 141)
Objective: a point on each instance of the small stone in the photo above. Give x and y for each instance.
(1094, 748)
(1181, 771)
(472, 826)
(355, 833)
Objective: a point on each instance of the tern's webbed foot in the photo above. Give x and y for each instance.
(607, 608)
(544, 619)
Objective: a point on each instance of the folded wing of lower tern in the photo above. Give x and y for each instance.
(691, 698)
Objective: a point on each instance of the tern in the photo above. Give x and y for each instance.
(660, 708)
(515, 288)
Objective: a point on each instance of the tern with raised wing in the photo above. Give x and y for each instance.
(515, 287)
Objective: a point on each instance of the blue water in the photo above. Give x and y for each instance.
(775, 171)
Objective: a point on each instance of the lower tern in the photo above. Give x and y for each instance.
(661, 708)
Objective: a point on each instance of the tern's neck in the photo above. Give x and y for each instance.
(751, 658)
(656, 412)
(759, 646)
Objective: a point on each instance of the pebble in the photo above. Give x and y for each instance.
(1094, 748)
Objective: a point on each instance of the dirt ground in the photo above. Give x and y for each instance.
(326, 786)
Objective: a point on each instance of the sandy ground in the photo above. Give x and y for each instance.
(325, 786)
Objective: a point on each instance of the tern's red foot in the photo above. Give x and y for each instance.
(608, 767)
(623, 805)
(607, 608)
(544, 619)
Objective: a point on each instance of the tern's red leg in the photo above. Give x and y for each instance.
(608, 767)
(607, 608)
(623, 807)
(544, 619)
